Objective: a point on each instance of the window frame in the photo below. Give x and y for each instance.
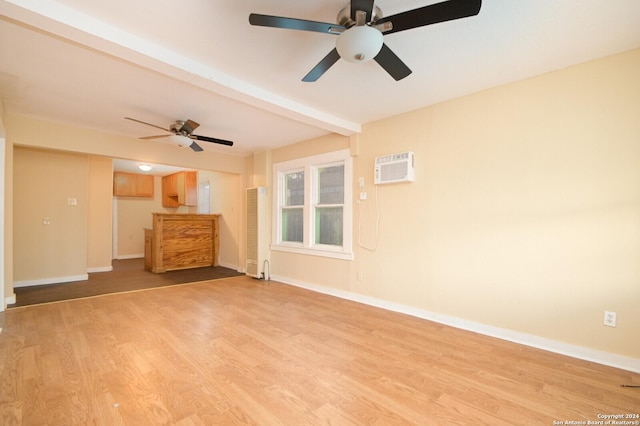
(310, 165)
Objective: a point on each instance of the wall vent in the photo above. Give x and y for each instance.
(394, 168)
(257, 233)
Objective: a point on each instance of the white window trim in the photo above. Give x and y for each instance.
(309, 165)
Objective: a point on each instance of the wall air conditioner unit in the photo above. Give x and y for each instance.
(257, 232)
(394, 168)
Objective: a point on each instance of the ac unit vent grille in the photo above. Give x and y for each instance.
(252, 224)
(394, 171)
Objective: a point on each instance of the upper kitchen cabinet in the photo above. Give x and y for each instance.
(132, 185)
(180, 189)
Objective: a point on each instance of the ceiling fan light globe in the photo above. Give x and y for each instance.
(180, 140)
(359, 44)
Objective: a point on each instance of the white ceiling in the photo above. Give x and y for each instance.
(91, 63)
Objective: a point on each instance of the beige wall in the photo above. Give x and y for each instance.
(99, 226)
(308, 148)
(6, 220)
(50, 235)
(524, 214)
(8, 223)
(133, 214)
(226, 198)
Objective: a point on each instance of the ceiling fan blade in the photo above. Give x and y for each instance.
(364, 5)
(391, 63)
(294, 24)
(432, 14)
(148, 124)
(154, 137)
(322, 66)
(189, 126)
(213, 140)
(194, 146)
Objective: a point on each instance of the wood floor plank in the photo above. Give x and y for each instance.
(243, 351)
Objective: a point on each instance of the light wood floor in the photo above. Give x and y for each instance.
(242, 351)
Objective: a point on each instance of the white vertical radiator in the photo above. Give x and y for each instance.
(257, 232)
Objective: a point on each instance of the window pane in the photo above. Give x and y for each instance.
(294, 189)
(329, 225)
(331, 185)
(292, 225)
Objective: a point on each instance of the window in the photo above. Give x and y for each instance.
(329, 205)
(293, 207)
(312, 199)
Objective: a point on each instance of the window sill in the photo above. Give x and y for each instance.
(312, 251)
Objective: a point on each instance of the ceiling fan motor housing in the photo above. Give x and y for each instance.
(344, 16)
(177, 127)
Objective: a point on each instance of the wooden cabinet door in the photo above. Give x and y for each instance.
(123, 184)
(191, 188)
(144, 186)
(172, 184)
(132, 185)
(169, 191)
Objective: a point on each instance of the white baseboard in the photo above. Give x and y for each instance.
(100, 269)
(579, 352)
(10, 300)
(56, 280)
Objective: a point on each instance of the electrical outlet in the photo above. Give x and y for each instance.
(610, 318)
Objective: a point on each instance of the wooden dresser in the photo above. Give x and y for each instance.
(181, 241)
